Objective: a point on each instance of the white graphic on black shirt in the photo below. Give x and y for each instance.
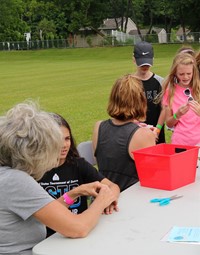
(151, 94)
(55, 177)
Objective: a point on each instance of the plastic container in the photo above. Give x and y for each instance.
(166, 166)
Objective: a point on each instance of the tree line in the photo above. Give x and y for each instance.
(53, 19)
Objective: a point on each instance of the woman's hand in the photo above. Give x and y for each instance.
(96, 189)
(92, 189)
(89, 189)
(106, 196)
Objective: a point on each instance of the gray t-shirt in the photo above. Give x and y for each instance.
(20, 197)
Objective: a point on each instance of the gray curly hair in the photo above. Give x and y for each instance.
(30, 140)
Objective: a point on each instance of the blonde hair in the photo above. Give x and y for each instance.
(197, 57)
(127, 99)
(30, 140)
(186, 49)
(184, 59)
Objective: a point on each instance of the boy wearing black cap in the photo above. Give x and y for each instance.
(143, 57)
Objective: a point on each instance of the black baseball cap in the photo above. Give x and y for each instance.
(143, 53)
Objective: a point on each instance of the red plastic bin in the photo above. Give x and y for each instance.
(166, 166)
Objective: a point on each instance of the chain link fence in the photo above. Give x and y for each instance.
(119, 39)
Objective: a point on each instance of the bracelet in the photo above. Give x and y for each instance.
(175, 116)
(159, 126)
(157, 130)
(67, 199)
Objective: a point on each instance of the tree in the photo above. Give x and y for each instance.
(191, 15)
(64, 17)
(120, 10)
(46, 29)
(12, 26)
(137, 14)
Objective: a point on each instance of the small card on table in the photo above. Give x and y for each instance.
(184, 234)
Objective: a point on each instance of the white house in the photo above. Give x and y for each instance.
(159, 33)
(113, 28)
(110, 24)
(162, 34)
(180, 35)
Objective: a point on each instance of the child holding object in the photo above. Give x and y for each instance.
(181, 98)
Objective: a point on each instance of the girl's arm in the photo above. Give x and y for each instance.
(88, 189)
(161, 119)
(172, 118)
(142, 138)
(95, 134)
(116, 191)
(57, 217)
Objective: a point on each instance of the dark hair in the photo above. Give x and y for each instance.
(73, 152)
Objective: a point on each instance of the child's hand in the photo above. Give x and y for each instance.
(150, 127)
(183, 110)
(194, 106)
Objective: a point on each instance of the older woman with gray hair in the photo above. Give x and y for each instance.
(30, 144)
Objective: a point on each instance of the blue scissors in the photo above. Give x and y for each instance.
(164, 201)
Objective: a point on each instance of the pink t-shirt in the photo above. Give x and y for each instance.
(187, 129)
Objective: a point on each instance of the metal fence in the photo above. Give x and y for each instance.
(115, 39)
(33, 45)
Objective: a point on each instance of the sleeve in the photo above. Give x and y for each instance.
(24, 195)
(89, 172)
(159, 79)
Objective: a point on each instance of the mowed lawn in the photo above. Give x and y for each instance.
(72, 82)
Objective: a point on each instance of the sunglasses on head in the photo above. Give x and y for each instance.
(188, 94)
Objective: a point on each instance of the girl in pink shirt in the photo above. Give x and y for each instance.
(181, 97)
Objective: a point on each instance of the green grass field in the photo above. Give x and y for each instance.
(72, 82)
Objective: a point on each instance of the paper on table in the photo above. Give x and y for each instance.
(184, 234)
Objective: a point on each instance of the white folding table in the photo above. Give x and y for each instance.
(137, 228)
